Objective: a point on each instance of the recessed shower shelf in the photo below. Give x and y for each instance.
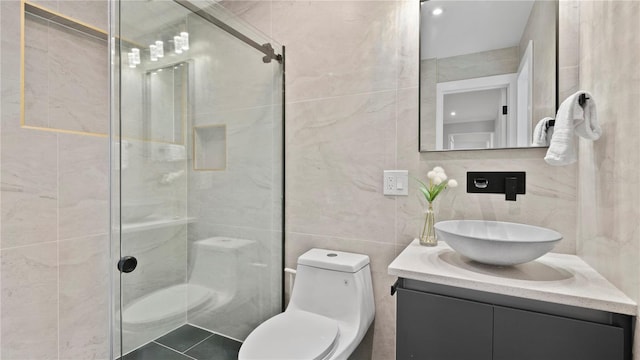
(156, 224)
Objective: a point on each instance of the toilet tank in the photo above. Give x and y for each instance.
(335, 284)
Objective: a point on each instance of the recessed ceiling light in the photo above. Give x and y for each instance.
(453, 113)
(437, 11)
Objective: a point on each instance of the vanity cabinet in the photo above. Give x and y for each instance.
(437, 322)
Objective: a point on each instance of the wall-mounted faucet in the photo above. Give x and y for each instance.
(495, 182)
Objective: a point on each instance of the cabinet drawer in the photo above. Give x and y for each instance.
(526, 335)
(434, 327)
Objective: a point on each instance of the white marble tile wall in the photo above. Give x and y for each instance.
(352, 111)
(608, 196)
(54, 246)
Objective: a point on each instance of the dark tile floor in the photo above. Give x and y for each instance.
(187, 343)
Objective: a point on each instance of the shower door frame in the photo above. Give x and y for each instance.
(115, 158)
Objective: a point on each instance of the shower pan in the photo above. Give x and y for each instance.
(197, 178)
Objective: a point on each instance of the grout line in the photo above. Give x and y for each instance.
(174, 350)
(198, 343)
(215, 333)
(84, 237)
(341, 96)
(28, 245)
(58, 238)
(342, 238)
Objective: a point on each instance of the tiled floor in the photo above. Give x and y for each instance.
(187, 343)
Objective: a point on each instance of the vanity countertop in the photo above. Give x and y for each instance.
(556, 278)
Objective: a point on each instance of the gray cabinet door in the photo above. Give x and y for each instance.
(526, 335)
(434, 327)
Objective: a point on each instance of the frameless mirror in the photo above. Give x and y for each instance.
(166, 93)
(488, 72)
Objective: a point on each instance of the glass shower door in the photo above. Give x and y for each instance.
(199, 181)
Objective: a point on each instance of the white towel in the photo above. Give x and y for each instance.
(571, 120)
(540, 137)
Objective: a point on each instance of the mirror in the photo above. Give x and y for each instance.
(166, 93)
(488, 72)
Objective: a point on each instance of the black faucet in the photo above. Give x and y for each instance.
(510, 188)
(495, 182)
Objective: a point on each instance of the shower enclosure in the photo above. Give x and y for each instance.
(197, 177)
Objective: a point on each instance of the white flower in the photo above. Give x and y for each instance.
(452, 183)
(442, 176)
(437, 180)
(431, 175)
(438, 169)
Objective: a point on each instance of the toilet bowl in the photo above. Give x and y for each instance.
(330, 311)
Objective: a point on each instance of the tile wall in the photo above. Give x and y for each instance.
(54, 244)
(608, 195)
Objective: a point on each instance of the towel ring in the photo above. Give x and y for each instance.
(549, 124)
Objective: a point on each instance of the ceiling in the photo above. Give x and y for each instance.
(471, 26)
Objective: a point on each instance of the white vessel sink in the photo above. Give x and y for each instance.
(497, 242)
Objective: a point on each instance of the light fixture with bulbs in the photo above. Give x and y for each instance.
(184, 36)
(134, 57)
(153, 52)
(159, 49)
(177, 44)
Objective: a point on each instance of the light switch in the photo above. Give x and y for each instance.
(396, 182)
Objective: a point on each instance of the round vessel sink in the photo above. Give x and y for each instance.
(497, 242)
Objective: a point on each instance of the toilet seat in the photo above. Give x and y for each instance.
(292, 335)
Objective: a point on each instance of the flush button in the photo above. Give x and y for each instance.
(332, 255)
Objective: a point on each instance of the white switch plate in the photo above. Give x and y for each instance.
(396, 182)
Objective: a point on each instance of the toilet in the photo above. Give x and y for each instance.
(330, 311)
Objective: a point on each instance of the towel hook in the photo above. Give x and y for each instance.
(582, 99)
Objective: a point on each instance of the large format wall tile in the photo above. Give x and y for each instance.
(91, 12)
(84, 298)
(409, 209)
(30, 302)
(36, 74)
(78, 84)
(338, 47)
(408, 20)
(255, 12)
(83, 186)
(608, 168)
(29, 188)
(337, 150)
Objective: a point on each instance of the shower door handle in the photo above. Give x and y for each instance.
(127, 264)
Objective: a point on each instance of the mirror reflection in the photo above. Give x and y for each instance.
(166, 92)
(487, 72)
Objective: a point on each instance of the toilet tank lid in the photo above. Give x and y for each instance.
(334, 260)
